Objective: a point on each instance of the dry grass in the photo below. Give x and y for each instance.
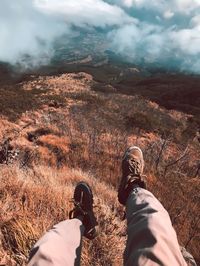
(32, 201)
(77, 134)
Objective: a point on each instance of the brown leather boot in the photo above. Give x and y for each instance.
(132, 170)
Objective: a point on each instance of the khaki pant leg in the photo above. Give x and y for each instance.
(61, 246)
(151, 237)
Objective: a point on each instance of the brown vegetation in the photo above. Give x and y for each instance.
(63, 131)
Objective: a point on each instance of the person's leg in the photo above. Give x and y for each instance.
(60, 246)
(151, 237)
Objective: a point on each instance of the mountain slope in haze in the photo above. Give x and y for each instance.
(60, 129)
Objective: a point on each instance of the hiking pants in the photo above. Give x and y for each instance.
(151, 237)
(61, 246)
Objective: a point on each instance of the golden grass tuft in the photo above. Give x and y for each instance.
(18, 236)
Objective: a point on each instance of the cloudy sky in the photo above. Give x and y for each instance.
(164, 31)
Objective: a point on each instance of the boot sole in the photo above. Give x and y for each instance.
(83, 195)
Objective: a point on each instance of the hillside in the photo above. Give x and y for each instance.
(57, 130)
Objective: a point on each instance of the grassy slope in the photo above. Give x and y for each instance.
(63, 129)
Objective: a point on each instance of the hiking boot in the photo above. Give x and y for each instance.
(83, 209)
(132, 169)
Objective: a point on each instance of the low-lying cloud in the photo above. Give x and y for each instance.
(158, 32)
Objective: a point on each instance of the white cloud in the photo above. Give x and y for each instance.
(156, 30)
(186, 6)
(25, 31)
(168, 14)
(86, 12)
(128, 3)
(187, 41)
(195, 21)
